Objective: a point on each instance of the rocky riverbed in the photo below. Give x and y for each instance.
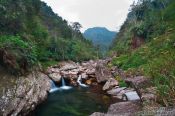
(30, 90)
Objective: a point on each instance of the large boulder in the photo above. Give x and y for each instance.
(121, 109)
(102, 73)
(138, 82)
(124, 108)
(56, 77)
(110, 83)
(28, 92)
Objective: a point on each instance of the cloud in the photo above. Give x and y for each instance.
(91, 13)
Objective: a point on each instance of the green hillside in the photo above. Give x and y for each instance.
(145, 45)
(30, 32)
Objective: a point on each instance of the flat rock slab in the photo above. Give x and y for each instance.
(121, 109)
(132, 96)
(124, 108)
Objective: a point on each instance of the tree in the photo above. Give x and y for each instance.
(76, 26)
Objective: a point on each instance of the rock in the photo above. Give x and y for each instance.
(72, 73)
(52, 70)
(88, 82)
(110, 83)
(138, 82)
(29, 92)
(97, 114)
(65, 66)
(56, 77)
(116, 91)
(84, 76)
(102, 73)
(132, 96)
(69, 74)
(148, 96)
(90, 71)
(124, 109)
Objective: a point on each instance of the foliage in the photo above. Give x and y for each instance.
(155, 58)
(146, 20)
(38, 34)
(122, 84)
(15, 49)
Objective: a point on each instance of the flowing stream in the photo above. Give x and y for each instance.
(75, 101)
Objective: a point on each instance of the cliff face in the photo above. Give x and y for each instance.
(25, 94)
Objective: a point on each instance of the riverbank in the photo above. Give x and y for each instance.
(132, 94)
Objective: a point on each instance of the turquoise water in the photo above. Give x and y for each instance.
(73, 102)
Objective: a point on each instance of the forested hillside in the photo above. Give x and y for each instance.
(145, 45)
(30, 32)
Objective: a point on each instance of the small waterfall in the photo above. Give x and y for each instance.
(63, 82)
(80, 83)
(53, 87)
(64, 87)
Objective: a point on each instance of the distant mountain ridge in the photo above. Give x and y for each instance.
(100, 36)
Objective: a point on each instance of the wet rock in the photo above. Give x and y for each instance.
(110, 83)
(102, 73)
(56, 77)
(90, 81)
(69, 75)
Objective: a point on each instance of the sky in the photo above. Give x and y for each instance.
(92, 13)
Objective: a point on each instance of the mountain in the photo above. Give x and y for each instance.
(100, 36)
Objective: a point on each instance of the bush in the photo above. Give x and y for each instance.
(17, 54)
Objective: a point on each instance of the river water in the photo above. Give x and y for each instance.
(77, 101)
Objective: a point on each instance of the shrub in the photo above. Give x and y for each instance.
(17, 54)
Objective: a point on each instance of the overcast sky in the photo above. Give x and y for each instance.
(92, 13)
